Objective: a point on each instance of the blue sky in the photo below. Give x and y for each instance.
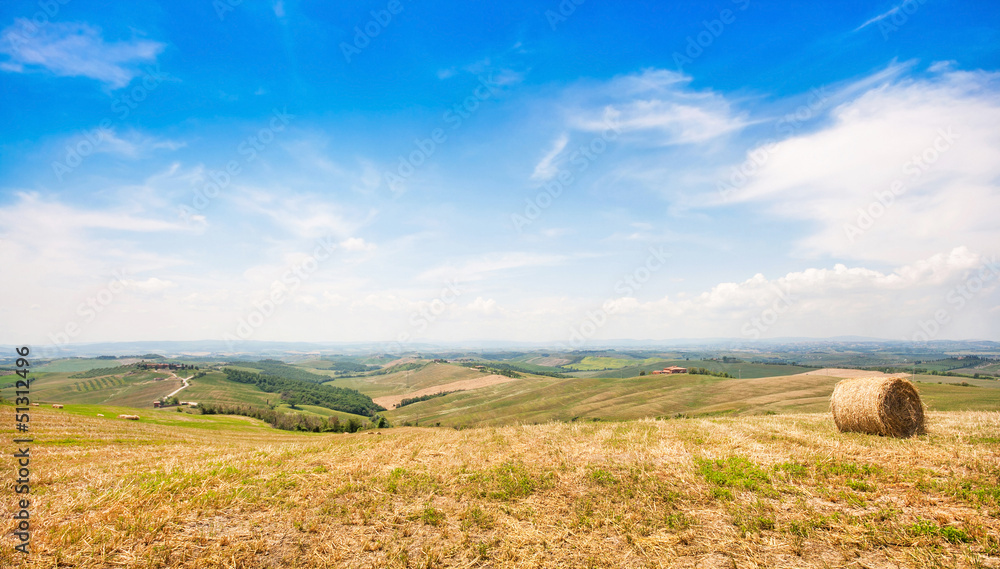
(541, 171)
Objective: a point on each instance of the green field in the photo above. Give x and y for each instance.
(75, 365)
(213, 387)
(135, 389)
(614, 395)
(316, 411)
(737, 369)
(166, 418)
(946, 380)
(591, 363)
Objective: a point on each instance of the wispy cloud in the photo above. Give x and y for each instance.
(656, 108)
(74, 49)
(480, 268)
(878, 18)
(546, 169)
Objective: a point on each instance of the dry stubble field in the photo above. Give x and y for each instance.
(765, 491)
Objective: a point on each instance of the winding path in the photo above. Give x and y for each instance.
(179, 389)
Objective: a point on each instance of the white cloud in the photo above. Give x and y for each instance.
(545, 169)
(150, 285)
(482, 305)
(73, 49)
(305, 216)
(819, 302)
(658, 108)
(878, 18)
(134, 144)
(934, 140)
(357, 244)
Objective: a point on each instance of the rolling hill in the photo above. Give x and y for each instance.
(539, 400)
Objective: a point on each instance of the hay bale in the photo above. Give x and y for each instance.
(129, 417)
(56, 406)
(886, 406)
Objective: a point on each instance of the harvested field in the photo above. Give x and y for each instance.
(390, 401)
(768, 491)
(847, 373)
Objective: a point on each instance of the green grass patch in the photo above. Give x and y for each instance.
(510, 480)
(930, 528)
(734, 472)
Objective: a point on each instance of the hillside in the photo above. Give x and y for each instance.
(550, 399)
(130, 388)
(427, 375)
(593, 367)
(178, 491)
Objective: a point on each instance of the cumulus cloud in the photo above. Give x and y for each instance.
(822, 302)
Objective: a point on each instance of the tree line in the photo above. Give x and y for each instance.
(293, 421)
(411, 400)
(299, 392)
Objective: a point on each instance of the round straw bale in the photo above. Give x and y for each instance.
(887, 406)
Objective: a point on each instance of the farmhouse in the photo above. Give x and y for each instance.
(156, 405)
(670, 370)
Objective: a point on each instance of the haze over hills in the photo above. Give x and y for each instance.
(293, 383)
(255, 347)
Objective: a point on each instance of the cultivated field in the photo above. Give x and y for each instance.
(538, 400)
(431, 375)
(173, 491)
(133, 389)
(390, 401)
